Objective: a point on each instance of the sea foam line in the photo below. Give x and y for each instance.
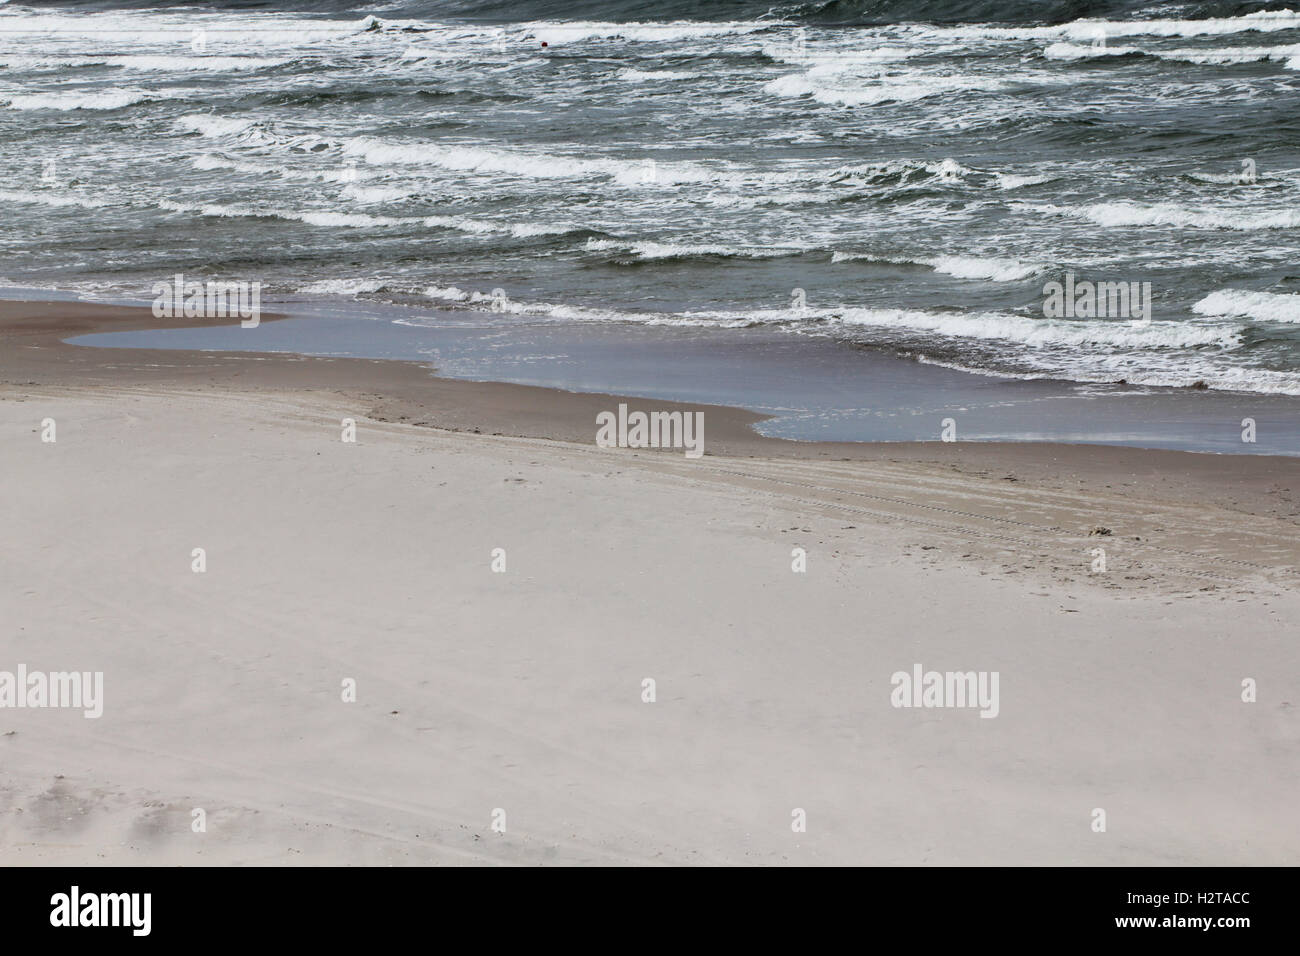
(1268, 306)
(1086, 30)
(961, 267)
(1172, 214)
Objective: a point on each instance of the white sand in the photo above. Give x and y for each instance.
(522, 690)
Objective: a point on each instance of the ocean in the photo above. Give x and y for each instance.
(777, 197)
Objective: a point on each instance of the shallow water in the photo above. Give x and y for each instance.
(816, 389)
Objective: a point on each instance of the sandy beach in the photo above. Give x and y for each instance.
(503, 716)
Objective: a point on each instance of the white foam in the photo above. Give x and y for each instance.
(171, 30)
(678, 31)
(975, 267)
(342, 286)
(111, 99)
(1284, 54)
(525, 230)
(152, 63)
(643, 76)
(311, 217)
(961, 267)
(1218, 56)
(844, 58)
(531, 165)
(1016, 181)
(868, 257)
(205, 124)
(314, 217)
(673, 250)
(947, 168)
(1039, 333)
(1236, 379)
(510, 306)
(1227, 179)
(1086, 30)
(343, 174)
(1172, 214)
(446, 293)
(885, 89)
(1027, 331)
(55, 199)
(1268, 306)
(469, 159)
(1085, 351)
(482, 301)
(1079, 51)
(1175, 371)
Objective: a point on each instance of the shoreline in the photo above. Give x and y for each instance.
(32, 335)
(813, 388)
(1113, 488)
